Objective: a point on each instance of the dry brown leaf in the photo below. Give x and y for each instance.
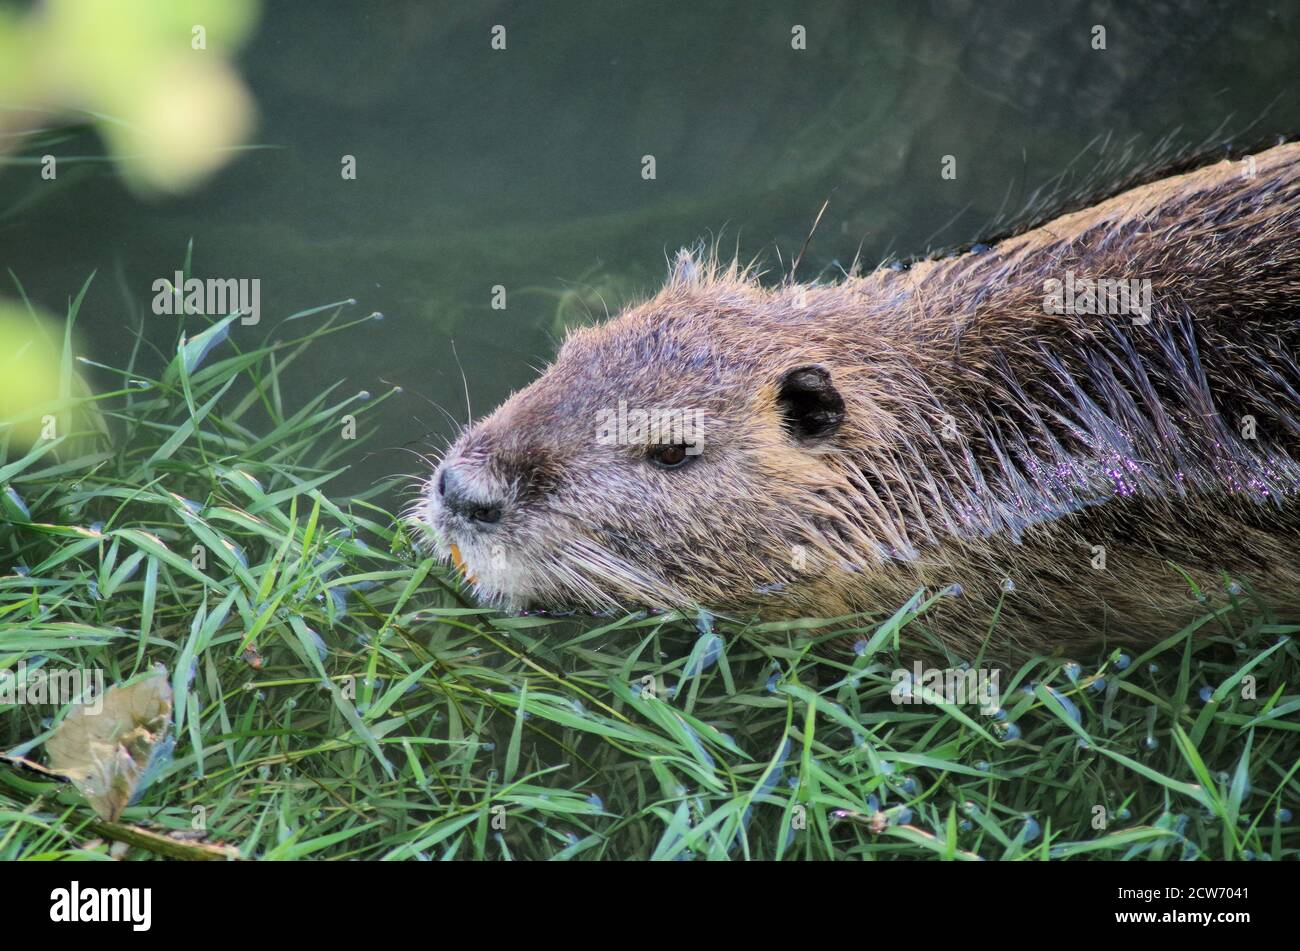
(107, 754)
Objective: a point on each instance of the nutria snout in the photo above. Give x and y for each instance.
(463, 501)
(1083, 426)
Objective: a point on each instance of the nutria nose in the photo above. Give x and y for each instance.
(452, 489)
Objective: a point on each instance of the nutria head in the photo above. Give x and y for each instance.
(673, 457)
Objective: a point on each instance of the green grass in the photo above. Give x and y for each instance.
(337, 697)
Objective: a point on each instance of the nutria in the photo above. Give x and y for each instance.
(1093, 426)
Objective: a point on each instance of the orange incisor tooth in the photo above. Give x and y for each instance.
(459, 562)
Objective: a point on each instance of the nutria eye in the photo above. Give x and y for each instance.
(670, 457)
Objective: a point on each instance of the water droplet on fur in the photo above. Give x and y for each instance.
(1008, 585)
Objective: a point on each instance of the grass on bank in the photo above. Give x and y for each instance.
(337, 697)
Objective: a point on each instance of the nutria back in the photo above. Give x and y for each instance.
(1089, 428)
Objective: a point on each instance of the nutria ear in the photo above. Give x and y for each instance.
(812, 407)
(685, 269)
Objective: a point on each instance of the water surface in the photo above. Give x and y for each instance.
(522, 167)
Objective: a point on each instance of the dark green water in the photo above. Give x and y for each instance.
(523, 168)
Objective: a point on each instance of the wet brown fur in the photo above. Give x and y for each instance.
(984, 439)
